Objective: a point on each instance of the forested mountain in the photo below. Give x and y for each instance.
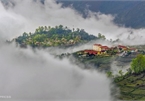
(46, 36)
(128, 13)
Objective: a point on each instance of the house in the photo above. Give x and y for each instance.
(99, 47)
(120, 47)
(104, 48)
(133, 50)
(91, 52)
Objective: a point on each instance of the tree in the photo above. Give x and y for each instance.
(120, 72)
(100, 36)
(45, 28)
(49, 27)
(138, 64)
(39, 38)
(129, 71)
(73, 29)
(109, 74)
(78, 30)
(25, 35)
(60, 26)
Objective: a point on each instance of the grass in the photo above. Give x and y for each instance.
(101, 60)
(126, 89)
(139, 91)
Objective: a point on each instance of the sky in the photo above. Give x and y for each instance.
(28, 74)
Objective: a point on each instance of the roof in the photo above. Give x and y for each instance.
(120, 46)
(105, 47)
(132, 49)
(97, 45)
(91, 51)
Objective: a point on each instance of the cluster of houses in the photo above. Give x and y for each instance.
(99, 49)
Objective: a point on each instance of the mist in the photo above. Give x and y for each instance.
(36, 75)
(88, 45)
(26, 15)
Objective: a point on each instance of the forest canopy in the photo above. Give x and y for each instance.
(46, 36)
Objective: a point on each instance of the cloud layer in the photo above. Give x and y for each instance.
(25, 74)
(26, 15)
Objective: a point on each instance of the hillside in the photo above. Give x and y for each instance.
(128, 13)
(132, 83)
(55, 36)
(132, 86)
(120, 56)
(99, 62)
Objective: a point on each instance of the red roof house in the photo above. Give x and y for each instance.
(91, 52)
(105, 48)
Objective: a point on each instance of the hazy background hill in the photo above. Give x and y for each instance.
(128, 13)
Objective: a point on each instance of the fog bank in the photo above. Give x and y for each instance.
(25, 74)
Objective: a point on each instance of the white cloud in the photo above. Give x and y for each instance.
(25, 74)
(27, 15)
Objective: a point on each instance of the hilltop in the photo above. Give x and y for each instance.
(101, 57)
(58, 36)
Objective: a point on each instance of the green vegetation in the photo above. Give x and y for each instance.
(101, 62)
(138, 64)
(132, 84)
(55, 36)
(100, 36)
(109, 74)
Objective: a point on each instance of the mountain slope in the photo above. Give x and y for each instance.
(128, 13)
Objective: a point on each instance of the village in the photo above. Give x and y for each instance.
(100, 50)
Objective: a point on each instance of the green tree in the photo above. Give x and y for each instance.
(60, 26)
(39, 38)
(120, 72)
(100, 36)
(109, 74)
(138, 64)
(25, 35)
(129, 71)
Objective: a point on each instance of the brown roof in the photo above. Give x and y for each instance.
(97, 44)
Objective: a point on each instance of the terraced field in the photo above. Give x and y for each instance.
(132, 86)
